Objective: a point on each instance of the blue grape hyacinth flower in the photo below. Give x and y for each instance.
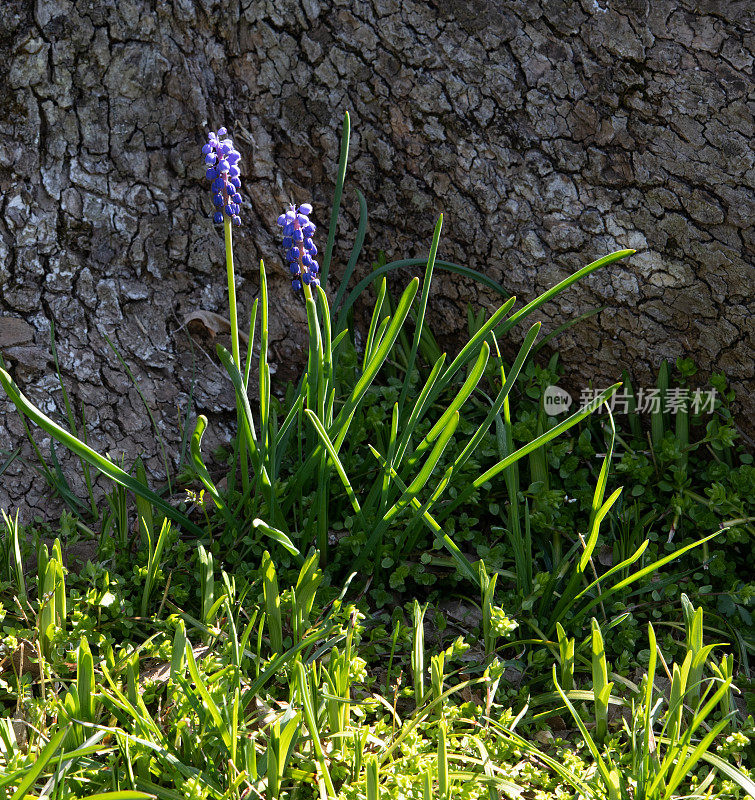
(223, 172)
(300, 249)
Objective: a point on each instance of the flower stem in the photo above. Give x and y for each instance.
(233, 316)
(315, 402)
(232, 292)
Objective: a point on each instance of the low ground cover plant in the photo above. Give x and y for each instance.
(408, 580)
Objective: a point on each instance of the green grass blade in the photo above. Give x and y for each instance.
(616, 568)
(462, 562)
(560, 287)
(153, 565)
(465, 272)
(645, 572)
(342, 162)
(731, 772)
(315, 357)
(85, 680)
(272, 603)
(409, 495)
(375, 343)
(207, 584)
(340, 426)
(250, 341)
(601, 686)
(221, 726)
(15, 562)
(595, 529)
(533, 445)
(379, 356)
(657, 422)
(264, 370)
(201, 469)
(311, 721)
(35, 770)
(178, 655)
(343, 283)
(470, 348)
(501, 398)
(599, 509)
(104, 465)
(248, 422)
(416, 486)
(683, 768)
(426, 283)
(556, 332)
(327, 345)
(419, 408)
(143, 507)
(592, 747)
(283, 436)
(277, 536)
(470, 384)
(442, 763)
(374, 322)
(322, 433)
(373, 779)
(392, 443)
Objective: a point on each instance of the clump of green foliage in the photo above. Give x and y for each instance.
(289, 632)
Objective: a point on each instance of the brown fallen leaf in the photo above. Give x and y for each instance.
(201, 321)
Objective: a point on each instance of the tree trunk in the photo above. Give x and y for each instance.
(549, 132)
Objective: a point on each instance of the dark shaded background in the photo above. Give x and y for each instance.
(550, 133)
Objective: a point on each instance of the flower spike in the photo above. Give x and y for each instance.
(222, 159)
(299, 247)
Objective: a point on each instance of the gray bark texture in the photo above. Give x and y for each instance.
(549, 132)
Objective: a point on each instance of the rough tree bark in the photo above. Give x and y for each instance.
(549, 132)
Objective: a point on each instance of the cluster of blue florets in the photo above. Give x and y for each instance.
(300, 249)
(223, 172)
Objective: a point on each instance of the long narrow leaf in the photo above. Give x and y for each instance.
(277, 536)
(560, 287)
(469, 385)
(201, 469)
(343, 161)
(104, 465)
(40, 763)
(645, 572)
(533, 445)
(495, 409)
(465, 272)
(426, 283)
(221, 726)
(602, 767)
(462, 562)
(419, 408)
(343, 282)
(470, 348)
(323, 434)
